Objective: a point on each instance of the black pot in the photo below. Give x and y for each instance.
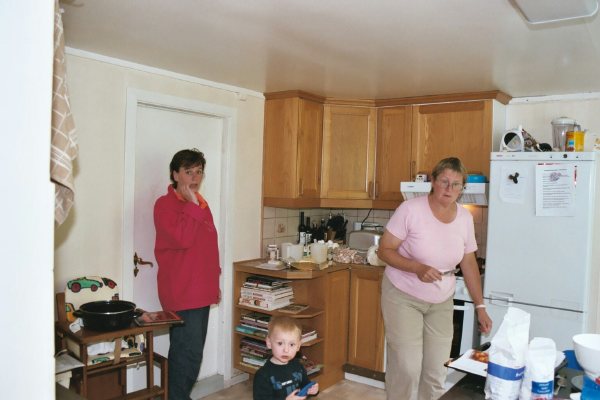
(109, 315)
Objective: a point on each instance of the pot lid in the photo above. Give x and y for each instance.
(563, 121)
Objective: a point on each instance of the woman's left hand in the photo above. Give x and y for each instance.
(485, 322)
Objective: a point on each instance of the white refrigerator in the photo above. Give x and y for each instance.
(542, 229)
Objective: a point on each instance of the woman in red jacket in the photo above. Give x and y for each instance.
(187, 253)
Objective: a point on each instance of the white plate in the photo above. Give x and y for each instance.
(575, 396)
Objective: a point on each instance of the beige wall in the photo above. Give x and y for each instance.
(535, 117)
(90, 241)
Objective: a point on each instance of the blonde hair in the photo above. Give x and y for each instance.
(451, 163)
(285, 324)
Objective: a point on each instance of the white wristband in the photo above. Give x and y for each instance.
(480, 306)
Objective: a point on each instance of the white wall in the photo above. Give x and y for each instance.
(27, 200)
(91, 239)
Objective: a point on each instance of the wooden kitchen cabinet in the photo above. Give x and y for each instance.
(461, 129)
(292, 149)
(348, 170)
(393, 155)
(326, 292)
(335, 153)
(366, 330)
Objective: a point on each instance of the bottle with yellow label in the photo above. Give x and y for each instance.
(575, 139)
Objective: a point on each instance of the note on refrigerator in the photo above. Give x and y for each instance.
(555, 190)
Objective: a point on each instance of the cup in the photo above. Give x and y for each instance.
(285, 250)
(318, 252)
(295, 251)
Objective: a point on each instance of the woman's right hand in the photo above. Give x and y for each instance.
(187, 193)
(428, 274)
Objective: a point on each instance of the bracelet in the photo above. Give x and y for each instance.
(480, 306)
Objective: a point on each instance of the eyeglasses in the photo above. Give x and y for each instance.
(445, 184)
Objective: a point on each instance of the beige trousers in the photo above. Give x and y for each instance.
(419, 337)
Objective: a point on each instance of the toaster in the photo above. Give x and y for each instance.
(362, 240)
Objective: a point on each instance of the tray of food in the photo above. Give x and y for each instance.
(473, 361)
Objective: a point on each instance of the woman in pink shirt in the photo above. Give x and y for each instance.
(426, 237)
(187, 253)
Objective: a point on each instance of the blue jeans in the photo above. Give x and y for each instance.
(185, 352)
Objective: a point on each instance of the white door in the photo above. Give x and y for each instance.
(158, 133)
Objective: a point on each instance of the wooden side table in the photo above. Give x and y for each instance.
(85, 337)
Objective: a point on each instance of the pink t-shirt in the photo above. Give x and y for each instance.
(431, 242)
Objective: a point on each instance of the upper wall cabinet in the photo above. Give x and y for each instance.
(348, 153)
(336, 153)
(462, 130)
(393, 155)
(292, 149)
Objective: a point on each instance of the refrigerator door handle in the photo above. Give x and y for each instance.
(501, 299)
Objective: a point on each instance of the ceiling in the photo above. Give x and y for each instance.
(352, 49)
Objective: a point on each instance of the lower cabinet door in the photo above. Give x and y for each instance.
(366, 336)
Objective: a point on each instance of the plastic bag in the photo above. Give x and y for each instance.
(538, 381)
(507, 353)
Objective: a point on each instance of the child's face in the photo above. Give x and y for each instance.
(284, 346)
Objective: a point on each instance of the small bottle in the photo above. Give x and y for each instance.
(301, 230)
(308, 232)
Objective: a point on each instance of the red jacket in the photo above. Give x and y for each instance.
(187, 253)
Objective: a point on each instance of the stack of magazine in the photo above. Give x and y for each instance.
(308, 334)
(254, 353)
(266, 293)
(254, 323)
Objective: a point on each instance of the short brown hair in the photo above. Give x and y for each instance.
(185, 158)
(285, 324)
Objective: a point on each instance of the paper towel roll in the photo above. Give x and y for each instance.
(372, 257)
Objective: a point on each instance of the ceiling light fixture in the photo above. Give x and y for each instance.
(544, 11)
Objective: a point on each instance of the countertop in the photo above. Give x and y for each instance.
(251, 266)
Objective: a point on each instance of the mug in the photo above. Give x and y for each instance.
(318, 252)
(295, 251)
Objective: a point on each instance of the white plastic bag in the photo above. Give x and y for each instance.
(538, 381)
(507, 352)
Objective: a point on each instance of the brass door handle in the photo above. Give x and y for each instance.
(138, 260)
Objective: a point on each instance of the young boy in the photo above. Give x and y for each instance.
(282, 376)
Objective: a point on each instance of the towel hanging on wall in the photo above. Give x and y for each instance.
(63, 139)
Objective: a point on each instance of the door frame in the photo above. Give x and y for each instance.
(135, 98)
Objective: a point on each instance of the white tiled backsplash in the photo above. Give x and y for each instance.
(280, 225)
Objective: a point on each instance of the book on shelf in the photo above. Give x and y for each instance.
(265, 282)
(267, 294)
(293, 308)
(265, 304)
(158, 317)
(254, 345)
(309, 337)
(256, 319)
(245, 364)
(254, 361)
(310, 366)
(255, 325)
(251, 330)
